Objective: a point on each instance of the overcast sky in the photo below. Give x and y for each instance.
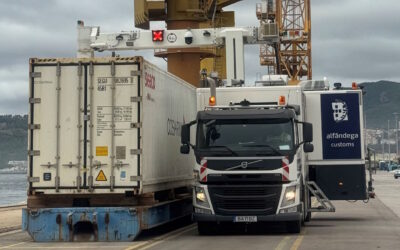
(353, 40)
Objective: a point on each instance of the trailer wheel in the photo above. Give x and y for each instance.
(206, 228)
(293, 227)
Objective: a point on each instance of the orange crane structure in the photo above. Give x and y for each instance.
(292, 55)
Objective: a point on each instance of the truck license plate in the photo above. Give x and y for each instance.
(245, 219)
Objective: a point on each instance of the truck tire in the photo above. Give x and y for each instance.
(206, 228)
(293, 227)
(307, 204)
(307, 216)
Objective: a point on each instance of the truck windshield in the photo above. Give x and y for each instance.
(269, 137)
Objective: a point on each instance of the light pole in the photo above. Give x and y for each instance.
(388, 139)
(396, 115)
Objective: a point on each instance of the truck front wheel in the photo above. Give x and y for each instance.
(206, 228)
(293, 227)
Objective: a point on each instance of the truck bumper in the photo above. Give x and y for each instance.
(261, 218)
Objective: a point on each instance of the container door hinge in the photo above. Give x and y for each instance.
(35, 74)
(34, 100)
(136, 72)
(34, 152)
(136, 178)
(136, 99)
(136, 151)
(136, 125)
(33, 126)
(33, 179)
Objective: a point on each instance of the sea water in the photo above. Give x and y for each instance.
(12, 189)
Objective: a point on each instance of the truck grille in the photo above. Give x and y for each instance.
(245, 199)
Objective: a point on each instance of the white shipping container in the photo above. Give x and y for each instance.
(107, 125)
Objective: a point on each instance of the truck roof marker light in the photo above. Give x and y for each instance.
(212, 101)
(282, 100)
(354, 86)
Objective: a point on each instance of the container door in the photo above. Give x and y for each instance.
(56, 133)
(114, 127)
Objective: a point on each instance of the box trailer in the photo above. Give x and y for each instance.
(104, 132)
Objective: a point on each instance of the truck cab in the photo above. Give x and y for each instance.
(249, 158)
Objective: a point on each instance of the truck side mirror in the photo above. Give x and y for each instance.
(307, 132)
(185, 134)
(308, 148)
(185, 149)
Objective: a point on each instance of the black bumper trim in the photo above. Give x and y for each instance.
(260, 218)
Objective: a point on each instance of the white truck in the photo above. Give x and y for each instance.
(104, 133)
(254, 157)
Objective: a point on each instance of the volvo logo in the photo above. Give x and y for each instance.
(244, 164)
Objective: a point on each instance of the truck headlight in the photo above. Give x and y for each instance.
(201, 197)
(290, 196)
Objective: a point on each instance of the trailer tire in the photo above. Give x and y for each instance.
(206, 228)
(293, 227)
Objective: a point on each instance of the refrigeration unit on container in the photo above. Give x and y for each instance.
(106, 125)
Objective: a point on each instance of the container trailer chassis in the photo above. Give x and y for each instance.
(101, 223)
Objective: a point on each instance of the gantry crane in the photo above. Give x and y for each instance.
(292, 55)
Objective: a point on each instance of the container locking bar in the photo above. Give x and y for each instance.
(91, 126)
(78, 178)
(58, 127)
(112, 155)
(79, 126)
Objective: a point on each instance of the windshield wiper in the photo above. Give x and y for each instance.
(264, 146)
(227, 148)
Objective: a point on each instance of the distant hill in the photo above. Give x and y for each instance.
(13, 138)
(381, 100)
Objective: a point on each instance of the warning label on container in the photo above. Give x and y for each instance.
(102, 151)
(101, 176)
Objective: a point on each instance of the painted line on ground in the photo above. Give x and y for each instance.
(298, 241)
(10, 232)
(12, 245)
(282, 244)
(71, 247)
(162, 238)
